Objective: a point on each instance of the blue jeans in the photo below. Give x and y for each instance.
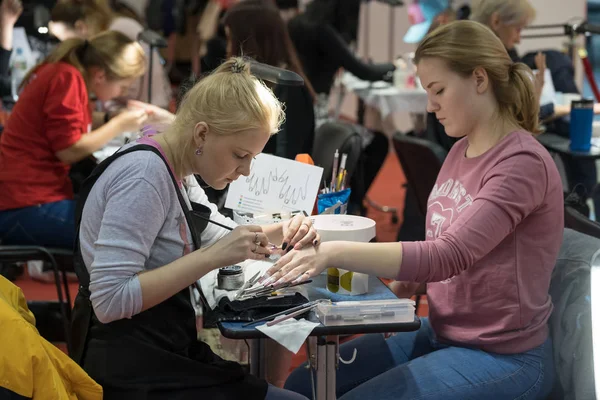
(275, 393)
(415, 366)
(51, 225)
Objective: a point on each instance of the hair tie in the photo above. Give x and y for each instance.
(238, 67)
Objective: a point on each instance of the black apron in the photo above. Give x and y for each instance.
(155, 354)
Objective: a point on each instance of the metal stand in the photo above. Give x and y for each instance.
(258, 358)
(324, 356)
(569, 30)
(154, 40)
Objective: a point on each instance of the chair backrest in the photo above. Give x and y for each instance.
(581, 223)
(571, 323)
(57, 259)
(344, 137)
(421, 161)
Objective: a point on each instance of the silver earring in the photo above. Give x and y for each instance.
(199, 151)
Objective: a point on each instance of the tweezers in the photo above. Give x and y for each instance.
(248, 284)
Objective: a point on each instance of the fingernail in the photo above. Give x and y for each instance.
(298, 247)
(289, 248)
(268, 281)
(279, 282)
(267, 255)
(316, 242)
(283, 246)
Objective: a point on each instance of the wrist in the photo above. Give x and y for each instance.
(115, 124)
(327, 251)
(214, 257)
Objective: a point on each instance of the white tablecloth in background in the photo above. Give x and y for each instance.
(386, 98)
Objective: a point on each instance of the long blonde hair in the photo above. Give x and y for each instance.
(229, 100)
(512, 83)
(113, 52)
(510, 12)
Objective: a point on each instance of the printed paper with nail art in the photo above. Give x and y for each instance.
(275, 184)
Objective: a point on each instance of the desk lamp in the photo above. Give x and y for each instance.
(154, 40)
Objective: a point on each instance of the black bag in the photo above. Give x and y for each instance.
(249, 310)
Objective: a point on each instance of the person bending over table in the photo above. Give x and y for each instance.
(86, 18)
(141, 248)
(494, 229)
(50, 128)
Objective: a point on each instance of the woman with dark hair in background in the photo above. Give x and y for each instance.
(254, 28)
(322, 36)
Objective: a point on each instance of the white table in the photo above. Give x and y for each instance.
(385, 97)
(114, 145)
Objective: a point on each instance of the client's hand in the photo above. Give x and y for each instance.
(243, 243)
(298, 233)
(299, 265)
(156, 115)
(130, 120)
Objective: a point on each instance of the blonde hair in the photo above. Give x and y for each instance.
(512, 83)
(113, 52)
(510, 12)
(229, 100)
(96, 14)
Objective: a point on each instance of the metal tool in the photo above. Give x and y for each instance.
(295, 313)
(249, 283)
(267, 290)
(306, 306)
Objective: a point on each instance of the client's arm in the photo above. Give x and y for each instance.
(505, 199)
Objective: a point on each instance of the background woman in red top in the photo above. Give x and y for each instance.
(50, 128)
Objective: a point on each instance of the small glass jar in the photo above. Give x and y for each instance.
(230, 278)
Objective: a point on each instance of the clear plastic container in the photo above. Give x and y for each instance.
(366, 312)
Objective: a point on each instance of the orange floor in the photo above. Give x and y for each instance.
(387, 190)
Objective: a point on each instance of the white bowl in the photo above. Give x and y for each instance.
(344, 227)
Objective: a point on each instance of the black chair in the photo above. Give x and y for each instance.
(421, 161)
(14, 254)
(342, 136)
(581, 223)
